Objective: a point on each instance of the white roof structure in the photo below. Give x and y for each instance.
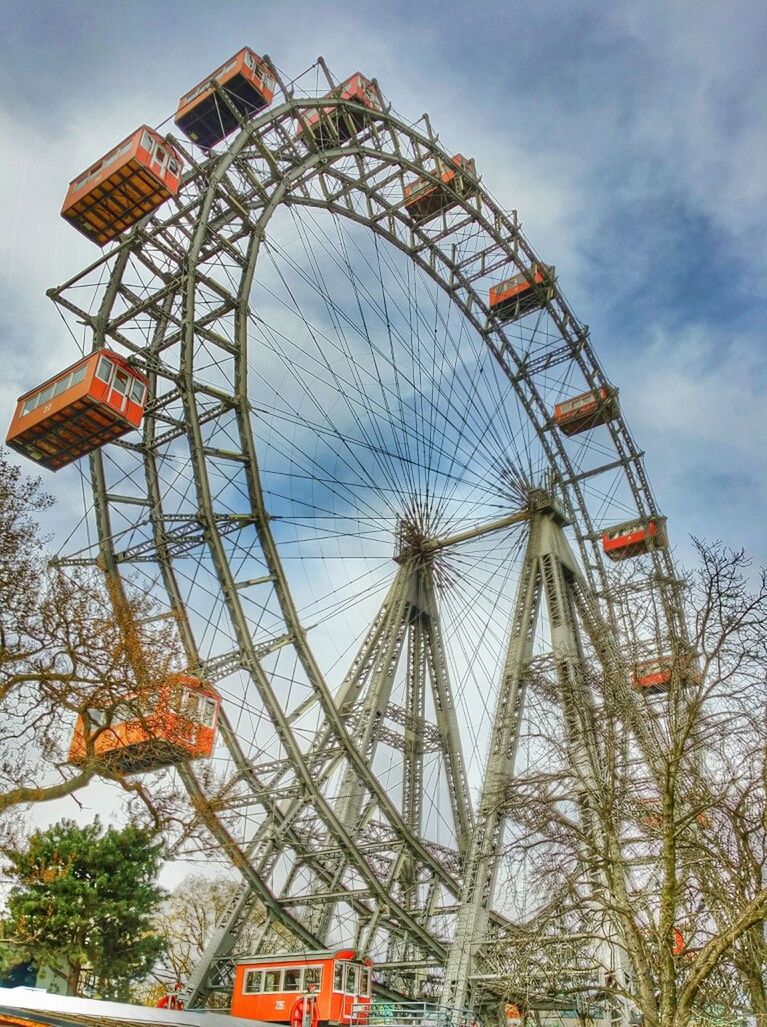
(38, 1006)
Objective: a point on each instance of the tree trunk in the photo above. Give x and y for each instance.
(757, 991)
(73, 978)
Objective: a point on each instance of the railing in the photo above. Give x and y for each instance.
(381, 1013)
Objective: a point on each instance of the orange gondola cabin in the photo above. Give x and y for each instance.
(160, 727)
(586, 411)
(206, 118)
(330, 126)
(522, 293)
(653, 676)
(128, 183)
(635, 538)
(651, 815)
(95, 401)
(267, 987)
(425, 199)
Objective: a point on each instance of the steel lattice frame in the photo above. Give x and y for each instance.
(164, 299)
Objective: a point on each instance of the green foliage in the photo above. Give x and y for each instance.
(86, 897)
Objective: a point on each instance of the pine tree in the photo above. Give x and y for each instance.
(86, 897)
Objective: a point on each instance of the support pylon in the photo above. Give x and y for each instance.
(407, 629)
(549, 569)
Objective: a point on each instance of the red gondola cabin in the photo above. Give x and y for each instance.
(425, 199)
(205, 118)
(128, 183)
(94, 401)
(522, 293)
(586, 411)
(635, 538)
(330, 126)
(161, 727)
(267, 987)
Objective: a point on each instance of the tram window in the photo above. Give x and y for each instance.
(159, 154)
(272, 980)
(252, 983)
(146, 141)
(137, 391)
(46, 394)
(121, 383)
(291, 979)
(312, 974)
(364, 981)
(30, 404)
(104, 370)
(173, 167)
(338, 977)
(351, 980)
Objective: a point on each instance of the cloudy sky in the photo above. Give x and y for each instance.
(630, 136)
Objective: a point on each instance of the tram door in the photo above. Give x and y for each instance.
(346, 981)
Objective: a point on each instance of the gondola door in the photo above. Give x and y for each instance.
(159, 162)
(117, 396)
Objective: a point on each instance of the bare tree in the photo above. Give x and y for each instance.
(659, 856)
(186, 922)
(71, 647)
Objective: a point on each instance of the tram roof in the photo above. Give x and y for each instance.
(35, 1006)
(307, 956)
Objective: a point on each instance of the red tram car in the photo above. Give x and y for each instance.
(128, 183)
(94, 401)
(635, 538)
(586, 411)
(268, 987)
(522, 293)
(330, 126)
(425, 199)
(249, 86)
(161, 727)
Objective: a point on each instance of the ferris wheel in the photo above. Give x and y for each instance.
(380, 485)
